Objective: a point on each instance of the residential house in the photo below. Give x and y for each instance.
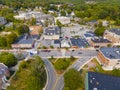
(52, 33)
(113, 35)
(40, 17)
(92, 22)
(25, 41)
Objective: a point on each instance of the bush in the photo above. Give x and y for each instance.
(8, 59)
(72, 80)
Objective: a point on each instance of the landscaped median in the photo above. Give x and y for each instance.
(30, 76)
(61, 64)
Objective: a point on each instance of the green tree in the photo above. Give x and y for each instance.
(63, 13)
(8, 59)
(11, 38)
(3, 42)
(72, 80)
(116, 72)
(59, 24)
(23, 29)
(100, 31)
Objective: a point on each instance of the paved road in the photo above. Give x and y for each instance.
(85, 57)
(51, 75)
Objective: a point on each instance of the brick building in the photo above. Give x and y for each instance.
(109, 57)
(113, 35)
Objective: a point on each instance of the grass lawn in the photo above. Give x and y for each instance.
(61, 64)
(30, 76)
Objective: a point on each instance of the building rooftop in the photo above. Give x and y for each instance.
(52, 31)
(89, 34)
(116, 31)
(97, 81)
(25, 39)
(80, 42)
(100, 40)
(111, 53)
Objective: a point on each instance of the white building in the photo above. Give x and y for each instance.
(65, 43)
(105, 23)
(63, 20)
(2, 21)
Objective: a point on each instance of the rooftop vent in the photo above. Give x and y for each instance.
(94, 88)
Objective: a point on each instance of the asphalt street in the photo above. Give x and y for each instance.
(51, 78)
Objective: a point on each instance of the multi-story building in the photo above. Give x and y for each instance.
(63, 20)
(2, 21)
(99, 42)
(52, 33)
(109, 57)
(113, 35)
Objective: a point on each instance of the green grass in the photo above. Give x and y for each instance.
(30, 76)
(61, 64)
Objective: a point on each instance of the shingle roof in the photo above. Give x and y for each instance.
(52, 30)
(116, 31)
(80, 42)
(97, 81)
(26, 39)
(111, 53)
(100, 40)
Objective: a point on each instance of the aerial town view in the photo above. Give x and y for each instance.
(59, 44)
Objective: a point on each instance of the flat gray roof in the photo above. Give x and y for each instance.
(111, 53)
(98, 81)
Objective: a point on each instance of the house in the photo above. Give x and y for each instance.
(2, 21)
(35, 30)
(65, 43)
(113, 35)
(79, 43)
(98, 81)
(52, 33)
(105, 23)
(40, 17)
(109, 57)
(25, 41)
(99, 42)
(92, 22)
(89, 35)
(4, 73)
(63, 20)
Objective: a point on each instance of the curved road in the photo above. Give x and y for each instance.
(51, 75)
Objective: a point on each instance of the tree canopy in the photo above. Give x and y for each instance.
(72, 80)
(8, 59)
